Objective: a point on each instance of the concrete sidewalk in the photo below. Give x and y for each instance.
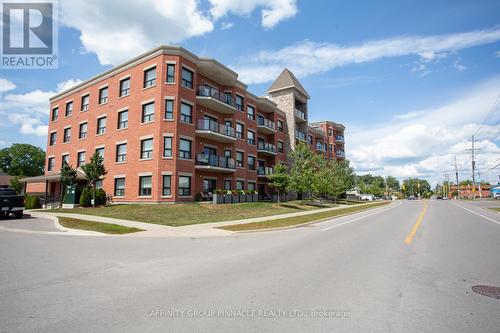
(193, 230)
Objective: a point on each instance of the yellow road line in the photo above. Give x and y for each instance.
(413, 231)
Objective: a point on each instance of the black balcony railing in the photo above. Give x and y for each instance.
(213, 126)
(206, 91)
(320, 147)
(264, 171)
(339, 138)
(340, 153)
(300, 135)
(300, 114)
(265, 146)
(215, 161)
(261, 121)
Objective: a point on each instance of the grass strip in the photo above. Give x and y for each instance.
(496, 209)
(293, 221)
(107, 228)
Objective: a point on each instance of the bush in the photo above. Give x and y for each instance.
(100, 197)
(86, 197)
(31, 202)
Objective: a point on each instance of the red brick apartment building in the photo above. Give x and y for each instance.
(171, 125)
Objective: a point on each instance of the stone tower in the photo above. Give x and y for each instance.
(291, 97)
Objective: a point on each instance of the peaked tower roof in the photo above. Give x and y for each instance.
(287, 80)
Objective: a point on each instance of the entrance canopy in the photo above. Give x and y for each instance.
(53, 177)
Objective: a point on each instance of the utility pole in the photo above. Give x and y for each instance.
(456, 176)
(473, 150)
(479, 184)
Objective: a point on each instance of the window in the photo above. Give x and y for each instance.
(251, 112)
(227, 184)
(330, 147)
(123, 119)
(146, 148)
(80, 159)
(55, 114)
(65, 160)
(187, 78)
(251, 162)
(170, 73)
(185, 148)
(239, 102)
(98, 184)
(251, 137)
(51, 164)
(101, 125)
(167, 185)
(227, 153)
(121, 152)
(280, 146)
(251, 186)
(186, 113)
(169, 109)
(67, 135)
(100, 151)
(280, 125)
(239, 130)
(125, 87)
(330, 132)
(239, 159)
(184, 185)
(228, 97)
(150, 77)
(69, 109)
(53, 137)
(85, 102)
(167, 146)
(240, 184)
(119, 187)
(145, 186)
(82, 134)
(103, 95)
(310, 139)
(148, 112)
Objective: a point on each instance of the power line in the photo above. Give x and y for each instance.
(488, 115)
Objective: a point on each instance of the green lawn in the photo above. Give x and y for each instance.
(107, 228)
(292, 221)
(191, 213)
(497, 209)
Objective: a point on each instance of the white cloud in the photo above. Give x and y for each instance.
(424, 142)
(226, 25)
(30, 110)
(6, 85)
(116, 30)
(497, 54)
(273, 11)
(307, 57)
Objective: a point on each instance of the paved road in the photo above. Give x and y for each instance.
(369, 267)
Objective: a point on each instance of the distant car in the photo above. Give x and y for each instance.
(439, 198)
(496, 196)
(412, 197)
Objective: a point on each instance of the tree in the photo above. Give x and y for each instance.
(16, 184)
(302, 169)
(22, 160)
(392, 183)
(279, 179)
(371, 184)
(342, 177)
(414, 186)
(94, 171)
(68, 177)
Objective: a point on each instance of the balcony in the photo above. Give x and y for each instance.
(264, 171)
(212, 130)
(340, 153)
(265, 126)
(300, 115)
(215, 100)
(299, 135)
(339, 138)
(319, 147)
(215, 163)
(266, 148)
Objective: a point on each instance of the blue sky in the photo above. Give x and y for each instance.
(411, 80)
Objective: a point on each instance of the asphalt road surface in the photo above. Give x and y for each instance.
(407, 267)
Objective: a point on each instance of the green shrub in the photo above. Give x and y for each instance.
(86, 197)
(100, 197)
(31, 202)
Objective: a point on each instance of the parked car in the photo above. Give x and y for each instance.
(11, 203)
(412, 197)
(439, 198)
